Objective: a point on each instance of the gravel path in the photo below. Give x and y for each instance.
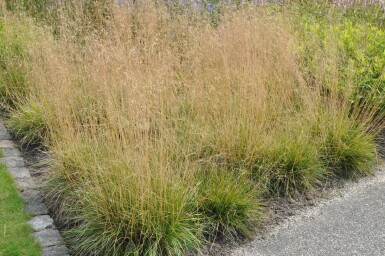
(352, 222)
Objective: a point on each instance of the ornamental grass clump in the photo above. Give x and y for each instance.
(167, 130)
(118, 207)
(229, 203)
(346, 148)
(290, 167)
(27, 123)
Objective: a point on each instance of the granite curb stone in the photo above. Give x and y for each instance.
(25, 183)
(55, 251)
(48, 237)
(19, 172)
(9, 152)
(7, 144)
(4, 134)
(12, 161)
(36, 208)
(41, 222)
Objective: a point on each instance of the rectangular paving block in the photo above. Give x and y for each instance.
(36, 208)
(27, 183)
(32, 196)
(2, 127)
(41, 222)
(48, 237)
(4, 135)
(55, 251)
(13, 161)
(11, 152)
(6, 144)
(19, 172)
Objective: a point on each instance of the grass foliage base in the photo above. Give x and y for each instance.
(347, 150)
(229, 203)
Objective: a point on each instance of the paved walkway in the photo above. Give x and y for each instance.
(351, 223)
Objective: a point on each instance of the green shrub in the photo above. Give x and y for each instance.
(28, 123)
(343, 49)
(229, 203)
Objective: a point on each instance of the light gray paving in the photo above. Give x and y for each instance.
(48, 237)
(6, 144)
(4, 134)
(36, 208)
(32, 196)
(11, 152)
(55, 251)
(352, 223)
(19, 172)
(12, 161)
(25, 183)
(41, 222)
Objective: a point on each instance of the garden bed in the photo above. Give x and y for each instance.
(169, 129)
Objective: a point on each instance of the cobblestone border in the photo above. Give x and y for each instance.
(44, 230)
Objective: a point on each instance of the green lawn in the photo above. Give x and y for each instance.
(15, 234)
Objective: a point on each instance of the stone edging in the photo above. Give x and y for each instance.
(44, 230)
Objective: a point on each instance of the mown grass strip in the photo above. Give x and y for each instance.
(15, 233)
